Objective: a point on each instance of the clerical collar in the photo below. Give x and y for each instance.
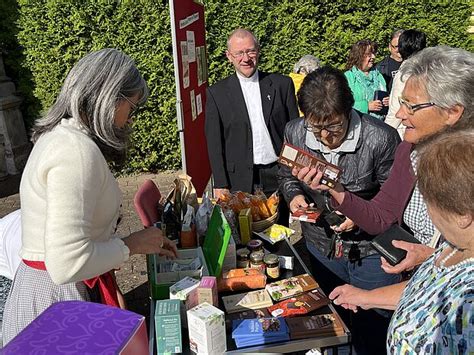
(253, 78)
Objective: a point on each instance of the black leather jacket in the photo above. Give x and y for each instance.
(364, 171)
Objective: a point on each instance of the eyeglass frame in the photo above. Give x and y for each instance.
(413, 108)
(251, 53)
(134, 106)
(318, 129)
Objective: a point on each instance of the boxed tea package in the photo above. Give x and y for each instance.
(290, 287)
(207, 291)
(181, 289)
(250, 300)
(206, 329)
(168, 326)
(249, 332)
(300, 304)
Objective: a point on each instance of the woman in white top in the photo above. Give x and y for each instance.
(69, 197)
(10, 244)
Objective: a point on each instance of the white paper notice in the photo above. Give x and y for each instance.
(191, 46)
(199, 104)
(185, 60)
(193, 104)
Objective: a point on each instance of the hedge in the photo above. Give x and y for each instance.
(42, 39)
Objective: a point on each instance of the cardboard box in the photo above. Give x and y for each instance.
(245, 225)
(181, 289)
(207, 329)
(216, 254)
(168, 326)
(207, 291)
(82, 327)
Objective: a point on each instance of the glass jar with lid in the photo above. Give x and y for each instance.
(272, 264)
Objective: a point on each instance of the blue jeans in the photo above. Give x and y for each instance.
(368, 275)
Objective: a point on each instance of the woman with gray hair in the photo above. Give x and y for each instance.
(437, 95)
(70, 201)
(307, 64)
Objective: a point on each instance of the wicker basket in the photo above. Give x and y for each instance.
(260, 226)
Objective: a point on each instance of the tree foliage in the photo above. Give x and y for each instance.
(46, 37)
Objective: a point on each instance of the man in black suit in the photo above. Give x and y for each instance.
(246, 115)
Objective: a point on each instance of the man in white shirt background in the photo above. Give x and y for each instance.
(246, 114)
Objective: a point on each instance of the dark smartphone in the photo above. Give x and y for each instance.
(334, 219)
(380, 95)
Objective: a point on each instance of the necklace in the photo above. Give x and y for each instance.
(443, 261)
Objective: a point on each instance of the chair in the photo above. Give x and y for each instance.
(147, 203)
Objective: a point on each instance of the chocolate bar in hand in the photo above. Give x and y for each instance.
(292, 156)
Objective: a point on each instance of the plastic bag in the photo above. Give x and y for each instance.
(203, 215)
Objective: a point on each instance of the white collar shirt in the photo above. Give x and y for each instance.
(263, 152)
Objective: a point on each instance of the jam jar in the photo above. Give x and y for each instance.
(272, 264)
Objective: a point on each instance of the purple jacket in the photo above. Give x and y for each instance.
(387, 207)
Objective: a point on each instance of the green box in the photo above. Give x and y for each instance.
(212, 255)
(168, 327)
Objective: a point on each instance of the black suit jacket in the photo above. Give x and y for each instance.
(228, 129)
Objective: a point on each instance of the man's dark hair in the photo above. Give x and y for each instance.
(410, 42)
(324, 94)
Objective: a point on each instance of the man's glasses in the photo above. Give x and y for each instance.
(332, 128)
(239, 55)
(134, 107)
(413, 108)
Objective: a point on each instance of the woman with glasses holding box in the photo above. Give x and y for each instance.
(364, 149)
(439, 82)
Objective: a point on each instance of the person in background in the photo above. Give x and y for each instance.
(10, 244)
(389, 66)
(307, 64)
(437, 95)
(246, 114)
(409, 43)
(364, 149)
(70, 199)
(364, 79)
(435, 308)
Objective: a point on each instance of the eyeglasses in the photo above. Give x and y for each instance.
(394, 47)
(134, 107)
(413, 108)
(332, 128)
(250, 52)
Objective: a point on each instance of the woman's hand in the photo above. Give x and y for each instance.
(311, 177)
(297, 202)
(150, 241)
(348, 297)
(416, 254)
(375, 105)
(346, 226)
(386, 101)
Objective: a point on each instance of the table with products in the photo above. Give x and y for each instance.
(282, 248)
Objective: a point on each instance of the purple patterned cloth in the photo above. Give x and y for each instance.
(76, 327)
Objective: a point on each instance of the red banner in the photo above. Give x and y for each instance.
(190, 59)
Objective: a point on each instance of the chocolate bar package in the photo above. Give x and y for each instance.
(290, 287)
(249, 332)
(298, 305)
(250, 300)
(292, 156)
(317, 325)
(247, 314)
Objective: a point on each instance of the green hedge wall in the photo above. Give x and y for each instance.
(46, 37)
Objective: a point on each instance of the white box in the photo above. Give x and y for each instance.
(181, 289)
(206, 325)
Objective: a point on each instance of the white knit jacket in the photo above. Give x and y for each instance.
(70, 203)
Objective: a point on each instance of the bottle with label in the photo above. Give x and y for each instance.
(272, 264)
(243, 258)
(256, 260)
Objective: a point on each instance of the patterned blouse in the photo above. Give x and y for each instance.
(416, 213)
(436, 312)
